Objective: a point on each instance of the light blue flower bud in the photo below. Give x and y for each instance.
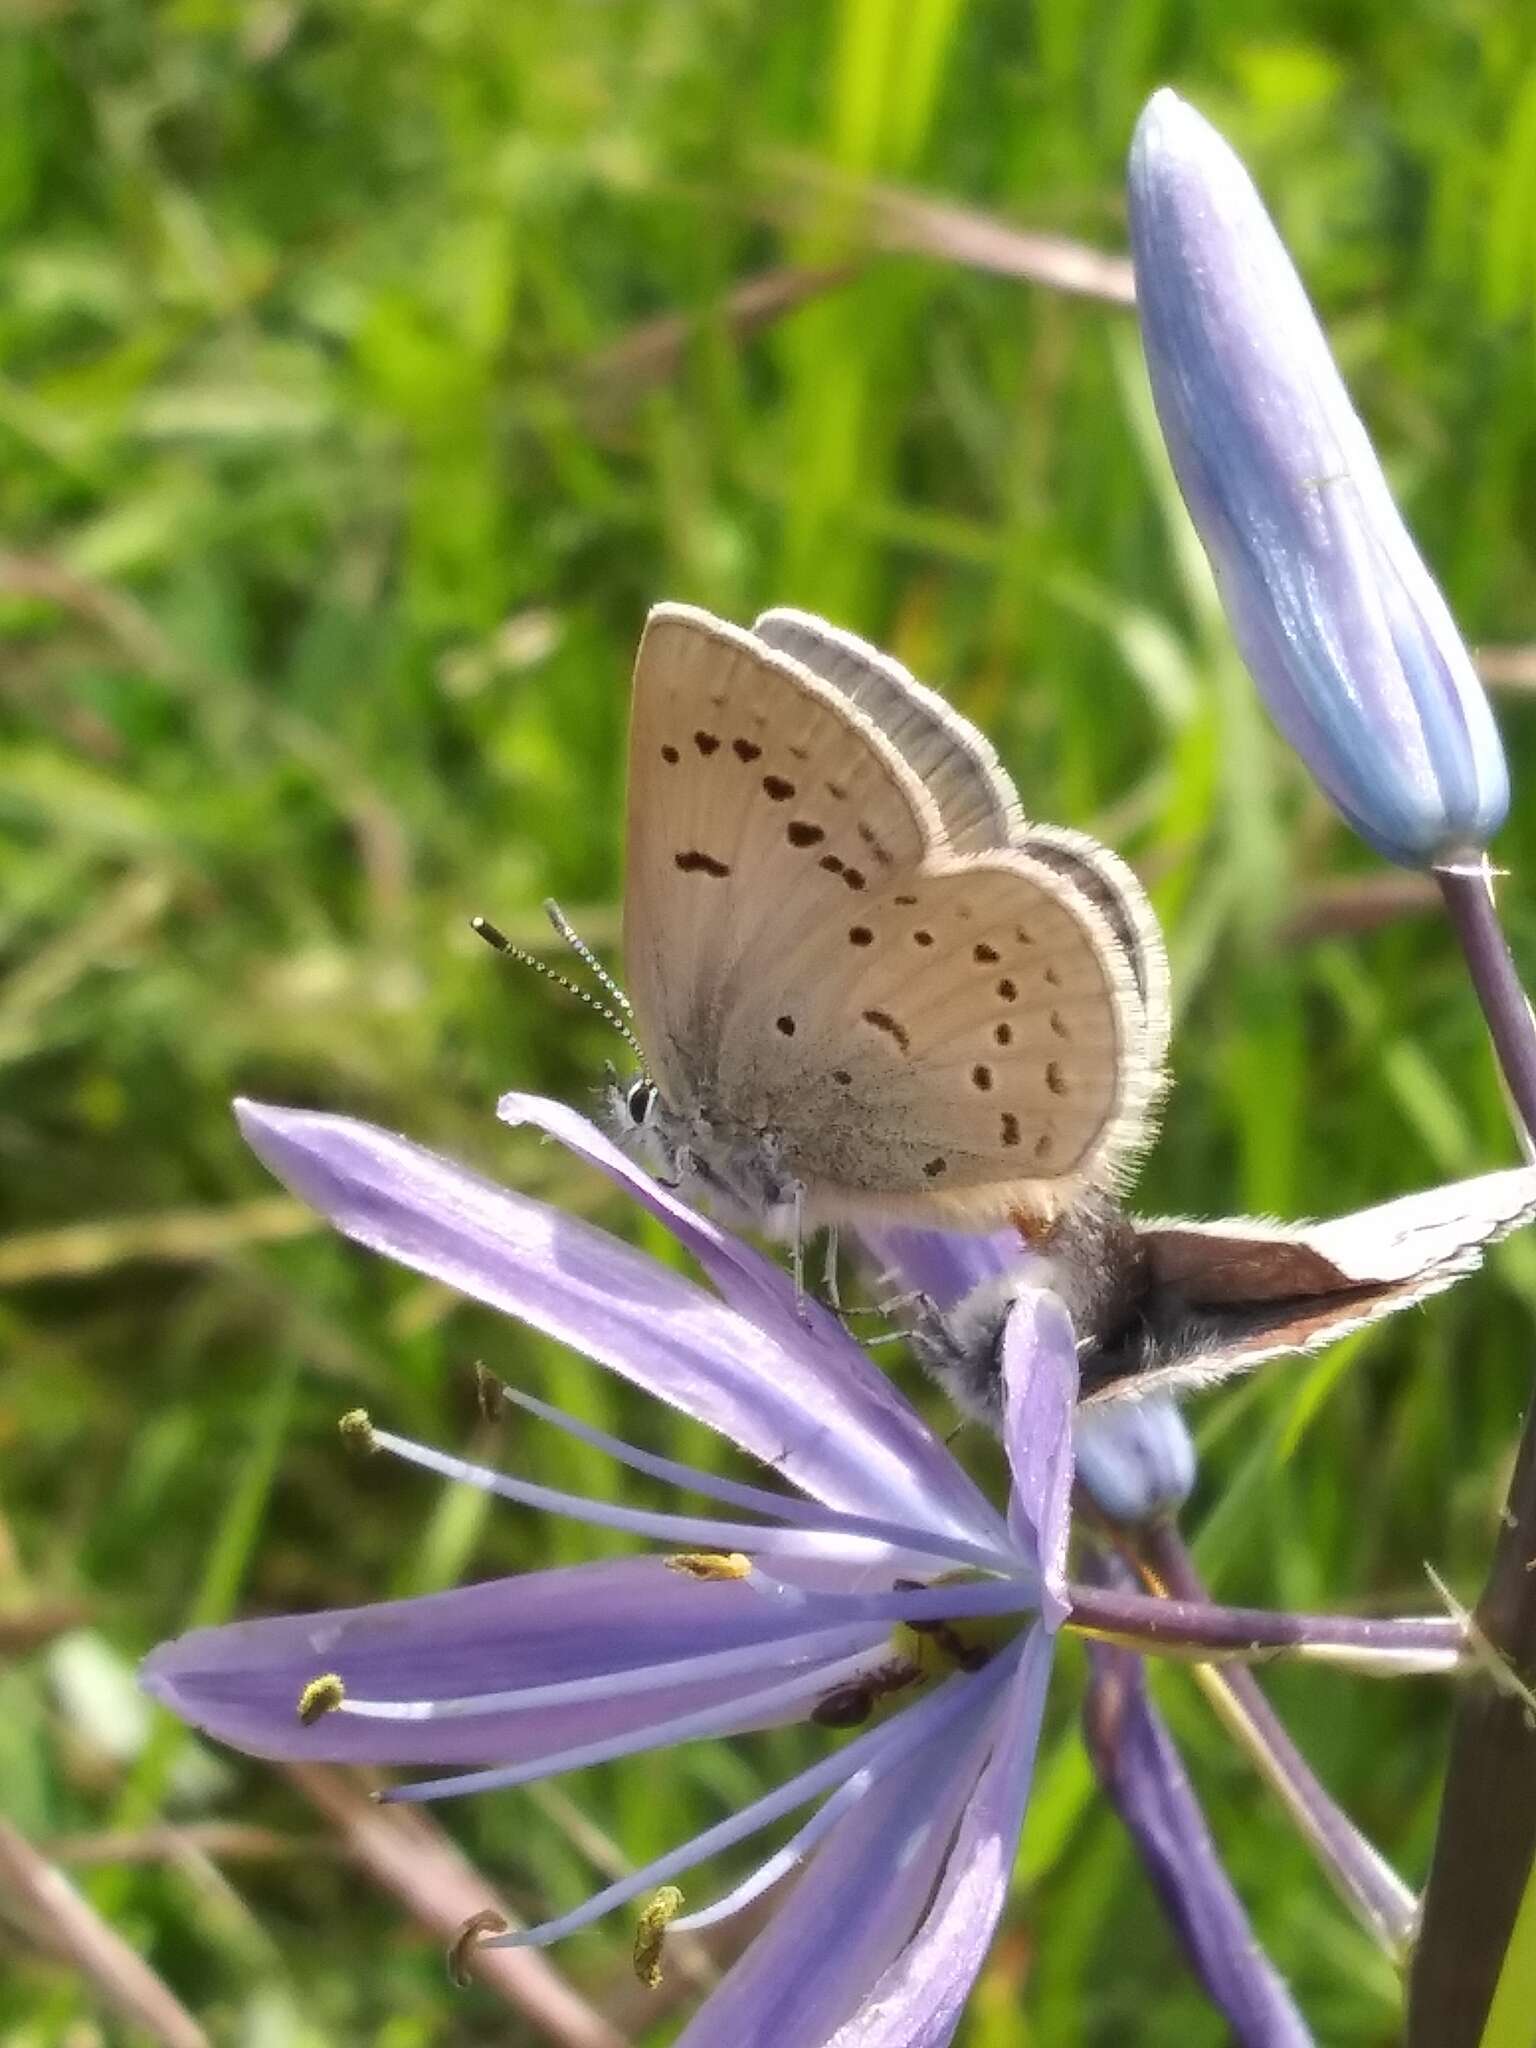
(1135, 1460)
(1341, 624)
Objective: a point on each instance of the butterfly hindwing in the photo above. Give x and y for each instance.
(978, 805)
(953, 1044)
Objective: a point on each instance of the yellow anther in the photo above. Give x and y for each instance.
(651, 1933)
(711, 1564)
(479, 1927)
(357, 1430)
(322, 1695)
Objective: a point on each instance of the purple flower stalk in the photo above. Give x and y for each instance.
(1340, 622)
(888, 1575)
(1140, 1770)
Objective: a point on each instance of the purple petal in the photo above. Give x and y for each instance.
(242, 1683)
(1039, 1395)
(815, 1408)
(945, 1265)
(1338, 619)
(849, 1916)
(886, 1749)
(1139, 1768)
(809, 1333)
(919, 2001)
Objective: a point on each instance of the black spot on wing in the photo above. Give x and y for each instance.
(882, 1020)
(778, 789)
(745, 750)
(695, 862)
(706, 742)
(799, 832)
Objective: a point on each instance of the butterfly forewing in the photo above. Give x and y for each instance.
(977, 803)
(1243, 1292)
(758, 808)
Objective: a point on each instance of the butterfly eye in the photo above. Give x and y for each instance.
(640, 1100)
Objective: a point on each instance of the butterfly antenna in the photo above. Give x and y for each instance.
(497, 939)
(584, 952)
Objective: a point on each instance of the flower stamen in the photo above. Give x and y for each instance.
(651, 1933)
(472, 1935)
(322, 1695)
(357, 1432)
(710, 1564)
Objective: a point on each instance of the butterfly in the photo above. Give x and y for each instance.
(865, 986)
(1173, 1305)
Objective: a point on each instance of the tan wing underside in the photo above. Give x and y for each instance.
(746, 778)
(996, 1083)
(978, 803)
(770, 952)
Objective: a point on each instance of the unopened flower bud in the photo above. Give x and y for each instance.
(1336, 615)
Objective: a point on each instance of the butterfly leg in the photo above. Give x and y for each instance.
(797, 1251)
(831, 1294)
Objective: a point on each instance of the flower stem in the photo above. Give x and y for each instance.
(1468, 897)
(1363, 1878)
(1487, 1829)
(1200, 1630)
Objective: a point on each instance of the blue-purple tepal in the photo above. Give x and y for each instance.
(1337, 617)
(1135, 1459)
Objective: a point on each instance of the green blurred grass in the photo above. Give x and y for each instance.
(326, 558)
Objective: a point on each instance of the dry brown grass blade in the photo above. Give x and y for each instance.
(24, 1628)
(227, 1841)
(980, 241)
(179, 1235)
(653, 352)
(410, 1857)
(1362, 903)
(891, 217)
(53, 1915)
(1508, 668)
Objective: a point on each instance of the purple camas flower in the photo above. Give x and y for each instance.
(1341, 624)
(888, 1574)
